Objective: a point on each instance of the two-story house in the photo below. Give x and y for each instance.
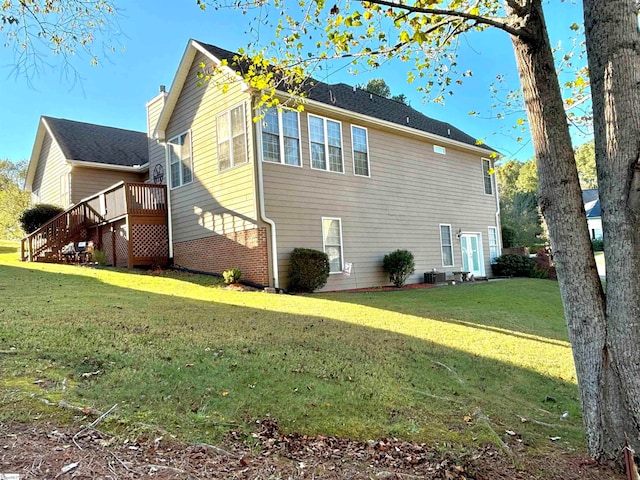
(353, 174)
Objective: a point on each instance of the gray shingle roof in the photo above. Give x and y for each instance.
(359, 101)
(591, 201)
(99, 144)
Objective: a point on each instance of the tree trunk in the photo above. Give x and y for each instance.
(613, 49)
(560, 199)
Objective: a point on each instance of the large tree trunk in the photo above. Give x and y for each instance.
(613, 48)
(601, 389)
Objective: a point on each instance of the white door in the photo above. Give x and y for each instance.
(472, 260)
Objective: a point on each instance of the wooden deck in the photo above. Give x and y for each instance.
(127, 221)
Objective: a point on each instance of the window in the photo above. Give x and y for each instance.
(360, 151)
(64, 189)
(232, 138)
(181, 160)
(439, 149)
(326, 144)
(494, 251)
(446, 245)
(332, 243)
(281, 137)
(486, 172)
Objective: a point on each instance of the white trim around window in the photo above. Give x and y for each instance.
(487, 178)
(231, 133)
(280, 137)
(332, 243)
(325, 144)
(494, 249)
(180, 159)
(446, 245)
(360, 151)
(439, 149)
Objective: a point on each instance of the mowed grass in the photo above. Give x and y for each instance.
(457, 365)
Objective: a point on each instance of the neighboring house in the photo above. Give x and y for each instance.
(73, 160)
(591, 202)
(354, 174)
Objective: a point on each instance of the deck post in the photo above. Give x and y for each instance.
(30, 248)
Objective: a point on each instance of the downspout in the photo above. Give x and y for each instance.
(169, 221)
(498, 226)
(263, 213)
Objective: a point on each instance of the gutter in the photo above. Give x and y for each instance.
(109, 166)
(263, 213)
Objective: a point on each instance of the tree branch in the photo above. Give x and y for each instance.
(492, 22)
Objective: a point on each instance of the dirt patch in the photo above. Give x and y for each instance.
(50, 451)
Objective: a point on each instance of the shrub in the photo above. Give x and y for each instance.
(33, 218)
(308, 270)
(100, 257)
(598, 244)
(511, 265)
(399, 265)
(232, 276)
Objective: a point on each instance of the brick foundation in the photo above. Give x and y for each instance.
(246, 250)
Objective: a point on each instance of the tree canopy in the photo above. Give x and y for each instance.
(13, 200)
(64, 28)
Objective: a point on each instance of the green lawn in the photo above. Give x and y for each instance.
(180, 352)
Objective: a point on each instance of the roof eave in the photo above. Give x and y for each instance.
(109, 166)
(193, 47)
(43, 129)
(397, 127)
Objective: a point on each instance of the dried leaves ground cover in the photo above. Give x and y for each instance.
(49, 451)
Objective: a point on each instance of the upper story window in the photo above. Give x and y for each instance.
(446, 244)
(325, 137)
(232, 138)
(360, 151)
(181, 160)
(487, 171)
(281, 137)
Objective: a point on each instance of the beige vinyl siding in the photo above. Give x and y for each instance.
(156, 149)
(88, 181)
(410, 192)
(51, 165)
(220, 202)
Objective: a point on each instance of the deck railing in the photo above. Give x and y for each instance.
(115, 202)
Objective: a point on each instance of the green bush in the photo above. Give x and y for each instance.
(232, 276)
(33, 218)
(308, 270)
(399, 265)
(512, 265)
(99, 256)
(598, 244)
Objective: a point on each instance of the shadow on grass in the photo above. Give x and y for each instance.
(189, 365)
(4, 249)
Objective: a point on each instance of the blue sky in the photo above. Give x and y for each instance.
(155, 34)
